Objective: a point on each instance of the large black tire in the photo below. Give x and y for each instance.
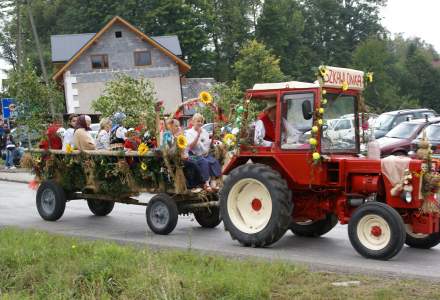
(315, 229)
(51, 200)
(422, 241)
(162, 214)
(376, 231)
(100, 208)
(260, 183)
(209, 217)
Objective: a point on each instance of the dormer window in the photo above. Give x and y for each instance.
(142, 58)
(99, 61)
(118, 34)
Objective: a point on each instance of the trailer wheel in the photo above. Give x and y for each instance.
(209, 217)
(421, 241)
(376, 230)
(100, 208)
(255, 205)
(162, 214)
(51, 200)
(314, 229)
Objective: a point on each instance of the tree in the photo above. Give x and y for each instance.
(134, 97)
(257, 64)
(33, 98)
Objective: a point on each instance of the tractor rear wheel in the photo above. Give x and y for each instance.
(421, 241)
(314, 228)
(376, 230)
(255, 205)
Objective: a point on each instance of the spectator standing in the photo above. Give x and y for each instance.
(10, 149)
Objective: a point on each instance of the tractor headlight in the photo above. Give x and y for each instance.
(406, 196)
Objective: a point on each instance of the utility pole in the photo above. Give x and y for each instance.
(18, 42)
(40, 55)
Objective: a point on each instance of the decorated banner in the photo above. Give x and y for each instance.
(343, 78)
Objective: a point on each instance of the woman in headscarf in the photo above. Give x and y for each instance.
(82, 137)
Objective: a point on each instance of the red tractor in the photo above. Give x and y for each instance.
(308, 187)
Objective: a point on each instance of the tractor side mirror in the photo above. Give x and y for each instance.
(307, 110)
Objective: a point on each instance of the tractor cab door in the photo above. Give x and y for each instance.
(296, 120)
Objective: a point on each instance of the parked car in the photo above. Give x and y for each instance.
(433, 135)
(387, 121)
(209, 127)
(398, 140)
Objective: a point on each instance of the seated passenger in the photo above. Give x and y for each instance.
(265, 126)
(68, 134)
(117, 134)
(82, 138)
(199, 145)
(103, 138)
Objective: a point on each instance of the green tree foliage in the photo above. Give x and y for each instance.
(134, 97)
(256, 64)
(34, 98)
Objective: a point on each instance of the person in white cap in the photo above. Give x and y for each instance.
(265, 126)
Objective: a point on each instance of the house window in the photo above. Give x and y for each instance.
(118, 34)
(142, 58)
(100, 61)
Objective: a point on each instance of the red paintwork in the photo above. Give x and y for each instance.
(328, 187)
(256, 204)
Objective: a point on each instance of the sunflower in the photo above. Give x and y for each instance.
(143, 149)
(205, 97)
(229, 139)
(181, 141)
(370, 76)
(144, 166)
(323, 71)
(69, 148)
(345, 86)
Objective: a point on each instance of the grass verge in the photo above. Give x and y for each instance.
(38, 265)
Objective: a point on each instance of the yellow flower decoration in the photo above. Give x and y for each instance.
(229, 139)
(205, 97)
(370, 76)
(38, 160)
(345, 86)
(315, 129)
(324, 101)
(321, 110)
(324, 92)
(144, 166)
(313, 141)
(323, 71)
(320, 122)
(181, 141)
(316, 156)
(69, 148)
(143, 149)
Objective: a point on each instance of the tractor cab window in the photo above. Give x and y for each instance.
(297, 119)
(339, 130)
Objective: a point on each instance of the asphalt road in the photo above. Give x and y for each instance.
(127, 224)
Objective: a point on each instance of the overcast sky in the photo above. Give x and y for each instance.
(413, 18)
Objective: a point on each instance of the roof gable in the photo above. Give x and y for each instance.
(183, 66)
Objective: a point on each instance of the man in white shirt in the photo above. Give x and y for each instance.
(265, 126)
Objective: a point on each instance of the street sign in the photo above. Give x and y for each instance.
(8, 107)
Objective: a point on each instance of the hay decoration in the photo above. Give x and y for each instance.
(27, 161)
(89, 171)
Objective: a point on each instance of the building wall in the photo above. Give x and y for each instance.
(84, 84)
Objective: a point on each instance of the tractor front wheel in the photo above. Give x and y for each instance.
(376, 230)
(255, 205)
(421, 241)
